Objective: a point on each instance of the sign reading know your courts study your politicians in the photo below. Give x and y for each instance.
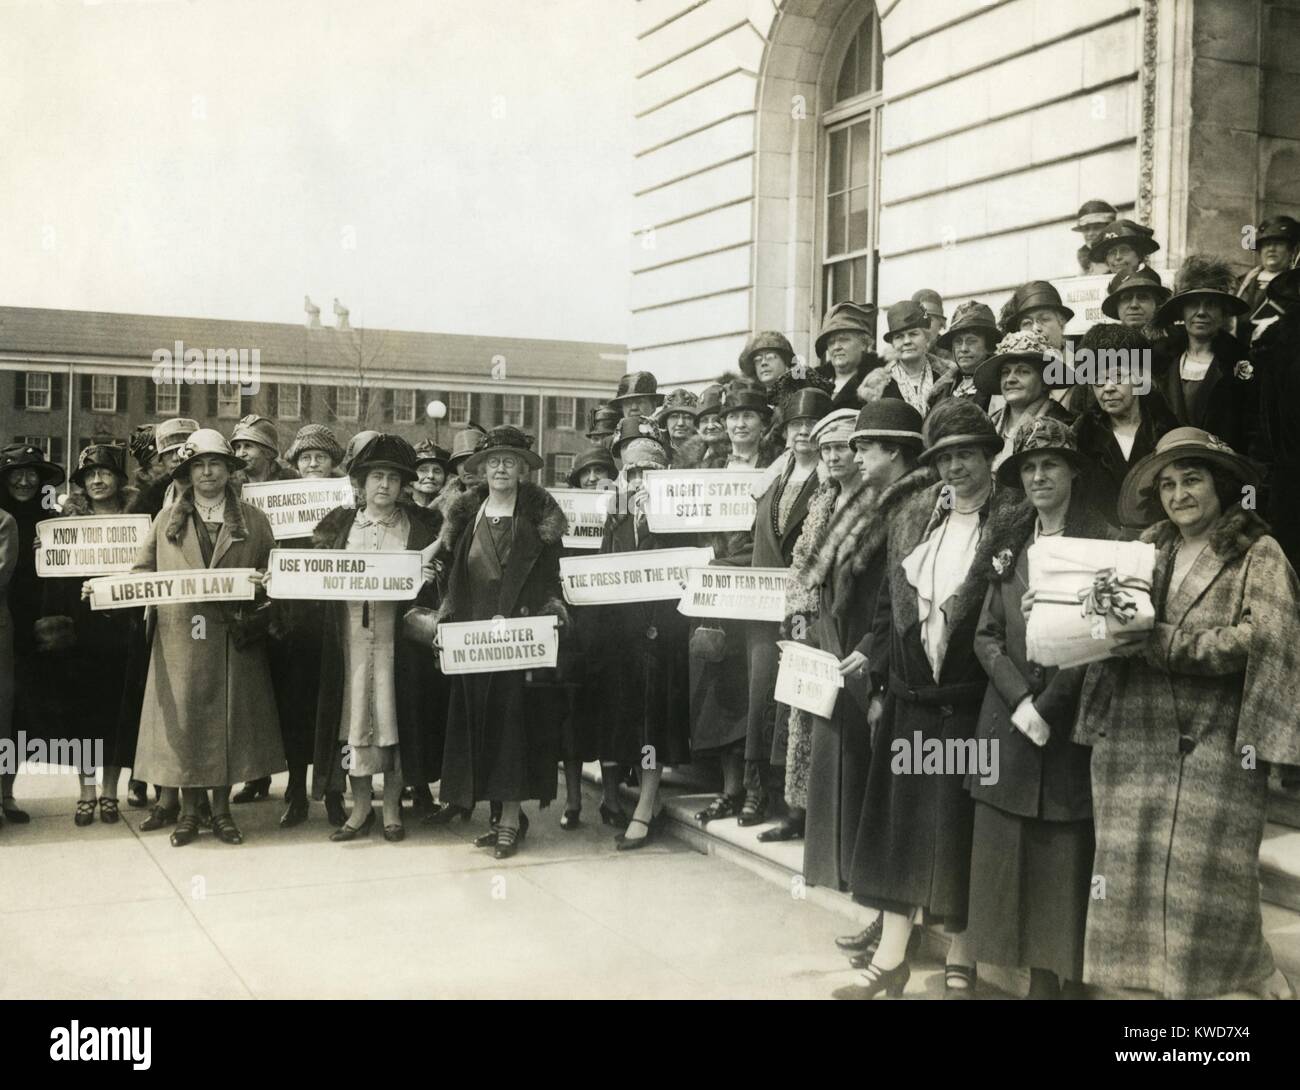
(294, 507)
(89, 545)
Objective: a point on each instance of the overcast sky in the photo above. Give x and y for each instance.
(460, 166)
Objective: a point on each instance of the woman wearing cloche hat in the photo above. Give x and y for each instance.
(1179, 809)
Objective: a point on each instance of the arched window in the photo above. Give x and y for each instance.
(851, 140)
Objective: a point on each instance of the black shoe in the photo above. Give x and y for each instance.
(226, 829)
(571, 819)
(494, 814)
(187, 828)
(862, 960)
(421, 799)
(623, 844)
(490, 839)
(335, 814)
(866, 939)
(295, 813)
(253, 790)
(788, 828)
(137, 794)
(613, 817)
(159, 817)
(724, 806)
(876, 980)
(12, 813)
(347, 832)
(394, 833)
(508, 839)
(444, 814)
(108, 811)
(754, 809)
(85, 814)
(959, 982)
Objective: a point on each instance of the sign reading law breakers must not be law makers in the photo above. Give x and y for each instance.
(340, 574)
(89, 544)
(169, 588)
(689, 501)
(294, 507)
(655, 575)
(503, 643)
(745, 594)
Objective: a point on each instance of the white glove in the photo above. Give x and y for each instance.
(1032, 725)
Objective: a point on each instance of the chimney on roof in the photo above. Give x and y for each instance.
(313, 312)
(341, 313)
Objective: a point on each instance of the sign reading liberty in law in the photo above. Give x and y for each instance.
(340, 574)
(747, 594)
(172, 588)
(294, 507)
(655, 575)
(503, 643)
(688, 501)
(586, 509)
(89, 545)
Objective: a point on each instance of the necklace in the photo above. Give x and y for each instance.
(210, 512)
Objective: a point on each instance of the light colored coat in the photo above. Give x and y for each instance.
(1180, 738)
(209, 715)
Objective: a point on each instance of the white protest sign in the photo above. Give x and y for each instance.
(167, 588)
(338, 574)
(294, 507)
(503, 643)
(808, 678)
(746, 594)
(89, 544)
(586, 509)
(655, 575)
(686, 501)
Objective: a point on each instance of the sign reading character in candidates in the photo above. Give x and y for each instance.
(340, 574)
(88, 545)
(695, 501)
(294, 507)
(503, 643)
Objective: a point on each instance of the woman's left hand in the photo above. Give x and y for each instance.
(855, 664)
(261, 580)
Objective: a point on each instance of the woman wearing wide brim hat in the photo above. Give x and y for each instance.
(27, 483)
(1124, 246)
(1032, 829)
(1135, 298)
(1201, 367)
(915, 371)
(593, 458)
(637, 394)
(209, 716)
(378, 704)
(1179, 814)
(84, 652)
(432, 466)
(1091, 220)
(502, 542)
(1277, 242)
(1023, 370)
(971, 339)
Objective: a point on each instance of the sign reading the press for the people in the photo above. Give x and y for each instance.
(655, 575)
(686, 501)
(808, 678)
(332, 574)
(746, 594)
(503, 643)
(168, 588)
(294, 507)
(89, 544)
(586, 509)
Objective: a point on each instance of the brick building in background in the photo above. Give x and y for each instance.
(78, 376)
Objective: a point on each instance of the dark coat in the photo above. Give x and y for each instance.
(1229, 396)
(503, 735)
(1097, 443)
(420, 710)
(1049, 782)
(1277, 359)
(919, 827)
(849, 396)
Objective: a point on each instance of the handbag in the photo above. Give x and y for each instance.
(708, 644)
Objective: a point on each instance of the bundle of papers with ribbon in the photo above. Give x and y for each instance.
(1087, 595)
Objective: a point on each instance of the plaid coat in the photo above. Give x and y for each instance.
(1181, 737)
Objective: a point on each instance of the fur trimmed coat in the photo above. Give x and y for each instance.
(421, 693)
(503, 732)
(209, 715)
(1182, 737)
(881, 383)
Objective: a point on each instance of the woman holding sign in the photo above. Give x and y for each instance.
(89, 648)
(209, 716)
(377, 711)
(503, 538)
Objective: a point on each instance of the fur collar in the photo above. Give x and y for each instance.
(178, 515)
(690, 452)
(78, 503)
(333, 524)
(1010, 533)
(872, 388)
(1231, 538)
(535, 504)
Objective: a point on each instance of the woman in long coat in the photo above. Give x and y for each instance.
(375, 712)
(89, 647)
(644, 693)
(8, 563)
(918, 820)
(503, 537)
(1031, 861)
(209, 717)
(1183, 730)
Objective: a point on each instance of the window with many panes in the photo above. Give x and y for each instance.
(404, 406)
(347, 403)
(288, 400)
(458, 407)
(103, 393)
(562, 466)
(566, 412)
(851, 130)
(512, 409)
(228, 404)
(167, 400)
(38, 390)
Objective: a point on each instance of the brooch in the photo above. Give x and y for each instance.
(1244, 370)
